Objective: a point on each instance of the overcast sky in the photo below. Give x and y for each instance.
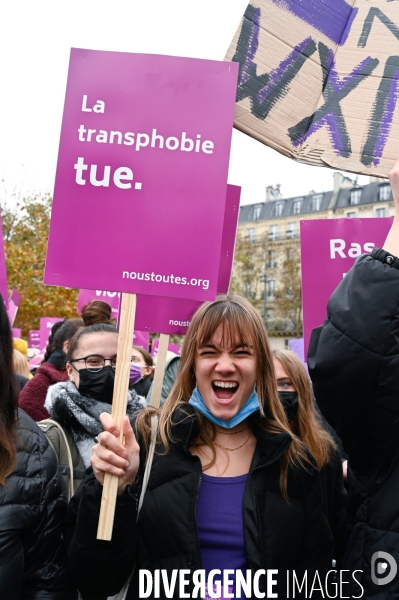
(35, 41)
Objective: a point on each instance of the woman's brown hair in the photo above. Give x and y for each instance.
(241, 324)
(306, 424)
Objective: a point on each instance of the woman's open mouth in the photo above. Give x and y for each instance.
(224, 390)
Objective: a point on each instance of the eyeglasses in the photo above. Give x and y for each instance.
(95, 362)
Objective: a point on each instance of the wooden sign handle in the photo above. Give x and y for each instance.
(119, 404)
(159, 370)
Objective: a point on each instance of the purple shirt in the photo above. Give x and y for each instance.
(220, 522)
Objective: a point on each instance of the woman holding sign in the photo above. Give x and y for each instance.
(354, 364)
(230, 488)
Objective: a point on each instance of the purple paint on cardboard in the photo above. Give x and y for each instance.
(385, 127)
(329, 248)
(161, 183)
(253, 46)
(330, 17)
(277, 73)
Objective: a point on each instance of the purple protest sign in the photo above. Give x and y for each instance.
(111, 298)
(34, 338)
(13, 304)
(16, 332)
(171, 348)
(143, 155)
(141, 338)
(329, 248)
(173, 315)
(3, 269)
(46, 324)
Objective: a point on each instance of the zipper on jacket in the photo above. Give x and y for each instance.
(197, 496)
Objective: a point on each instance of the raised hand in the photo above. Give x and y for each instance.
(112, 456)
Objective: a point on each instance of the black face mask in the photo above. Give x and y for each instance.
(98, 385)
(289, 400)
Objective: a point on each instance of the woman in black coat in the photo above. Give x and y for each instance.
(32, 498)
(354, 365)
(230, 486)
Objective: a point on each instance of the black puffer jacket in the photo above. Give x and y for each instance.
(278, 534)
(32, 509)
(354, 365)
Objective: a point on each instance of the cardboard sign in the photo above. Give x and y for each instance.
(329, 248)
(46, 324)
(143, 155)
(34, 338)
(173, 315)
(319, 81)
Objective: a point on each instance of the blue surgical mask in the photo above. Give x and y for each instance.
(251, 406)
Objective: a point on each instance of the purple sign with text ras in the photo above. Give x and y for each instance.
(143, 155)
(46, 324)
(329, 248)
(34, 338)
(173, 315)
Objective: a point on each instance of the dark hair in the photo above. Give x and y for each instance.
(96, 318)
(66, 332)
(8, 398)
(96, 312)
(147, 359)
(50, 343)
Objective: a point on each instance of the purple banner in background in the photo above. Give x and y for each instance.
(111, 298)
(141, 338)
(3, 270)
(34, 338)
(333, 18)
(297, 347)
(329, 248)
(46, 324)
(171, 348)
(16, 332)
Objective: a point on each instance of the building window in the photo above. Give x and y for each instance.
(381, 212)
(351, 215)
(290, 254)
(315, 202)
(248, 290)
(354, 196)
(270, 288)
(270, 313)
(251, 236)
(278, 209)
(296, 206)
(257, 209)
(273, 232)
(384, 192)
(291, 230)
(271, 259)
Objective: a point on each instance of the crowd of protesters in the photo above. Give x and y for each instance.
(237, 470)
